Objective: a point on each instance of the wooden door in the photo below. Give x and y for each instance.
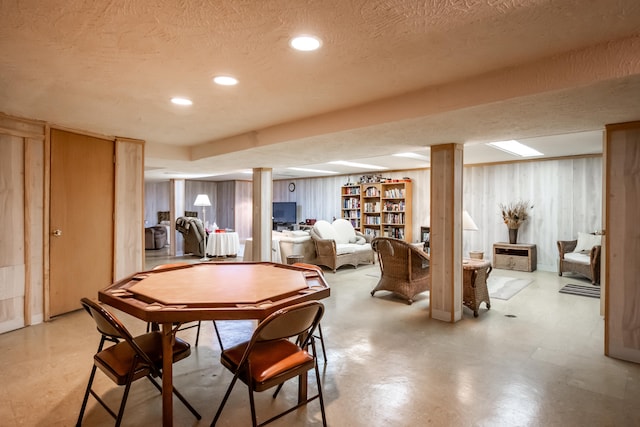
(81, 219)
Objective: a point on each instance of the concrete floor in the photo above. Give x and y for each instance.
(534, 360)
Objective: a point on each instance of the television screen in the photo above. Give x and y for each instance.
(284, 212)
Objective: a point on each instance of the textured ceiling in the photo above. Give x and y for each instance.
(391, 76)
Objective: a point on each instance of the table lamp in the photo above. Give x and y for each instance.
(203, 200)
(469, 224)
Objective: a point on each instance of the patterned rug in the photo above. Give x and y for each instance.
(582, 290)
(503, 287)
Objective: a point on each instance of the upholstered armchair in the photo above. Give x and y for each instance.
(155, 237)
(194, 235)
(404, 269)
(581, 256)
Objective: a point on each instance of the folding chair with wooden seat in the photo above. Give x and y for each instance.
(270, 358)
(128, 360)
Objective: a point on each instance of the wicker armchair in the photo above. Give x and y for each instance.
(334, 248)
(589, 268)
(404, 269)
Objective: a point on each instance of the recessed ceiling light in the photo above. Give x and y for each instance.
(514, 147)
(181, 101)
(225, 80)
(413, 156)
(357, 165)
(311, 170)
(305, 43)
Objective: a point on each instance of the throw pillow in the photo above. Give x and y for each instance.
(344, 230)
(586, 241)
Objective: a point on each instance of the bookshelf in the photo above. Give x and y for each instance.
(371, 210)
(396, 209)
(350, 204)
(379, 209)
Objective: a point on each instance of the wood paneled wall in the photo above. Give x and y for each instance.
(24, 178)
(191, 191)
(319, 198)
(243, 209)
(225, 206)
(156, 199)
(21, 209)
(566, 194)
(129, 205)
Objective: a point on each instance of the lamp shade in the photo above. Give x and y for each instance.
(467, 222)
(202, 200)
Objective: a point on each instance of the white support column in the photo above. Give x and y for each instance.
(446, 232)
(176, 203)
(262, 215)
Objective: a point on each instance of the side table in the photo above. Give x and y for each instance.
(516, 256)
(223, 244)
(474, 283)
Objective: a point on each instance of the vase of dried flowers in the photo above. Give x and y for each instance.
(514, 215)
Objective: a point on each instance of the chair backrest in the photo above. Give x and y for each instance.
(324, 230)
(398, 258)
(164, 216)
(105, 328)
(388, 248)
(345, 231)
(105, 321)
(290, 322)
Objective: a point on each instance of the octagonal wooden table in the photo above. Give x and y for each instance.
(211, 291)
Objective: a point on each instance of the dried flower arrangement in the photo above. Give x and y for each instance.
(514, 214)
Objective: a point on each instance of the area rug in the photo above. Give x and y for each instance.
(503, 287)
(582, 290)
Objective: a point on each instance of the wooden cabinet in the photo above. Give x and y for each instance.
(521, 256)
(350, 204)
(379, 209)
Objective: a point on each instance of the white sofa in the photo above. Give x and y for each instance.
(297, 243)
(284, 244)
(339, 244)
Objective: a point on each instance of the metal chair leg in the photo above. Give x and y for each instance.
(215, 326)
(198, 333)
(224, 400)
(324, 353)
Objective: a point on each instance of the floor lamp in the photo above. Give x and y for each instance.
(203, 200)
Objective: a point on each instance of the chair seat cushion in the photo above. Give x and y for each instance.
(580, 258)
(117, 360)
(350, 248)
(268, 359)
